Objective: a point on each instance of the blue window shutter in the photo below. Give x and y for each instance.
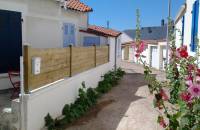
(69, 37)
(195, 17)
(72, 34)
(196, 24)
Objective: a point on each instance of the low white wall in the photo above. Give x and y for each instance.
(53, 98)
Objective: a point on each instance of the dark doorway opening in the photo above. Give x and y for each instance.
(10, 40)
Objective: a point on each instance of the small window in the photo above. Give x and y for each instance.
(66, 29)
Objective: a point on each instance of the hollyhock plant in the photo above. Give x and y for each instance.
(164, 95)
(189, 82)
(182, 107)
(139, 48)
(194, 90)
(186, 96)
(183, 52)
(162, 122)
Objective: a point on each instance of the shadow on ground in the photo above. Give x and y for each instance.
(119, 100)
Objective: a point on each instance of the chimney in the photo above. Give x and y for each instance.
(108, 24)
(162, 22)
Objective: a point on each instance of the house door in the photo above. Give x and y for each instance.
(10, 40)
(68, 34)
(154, 57)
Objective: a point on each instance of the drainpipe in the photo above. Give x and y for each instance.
(115, 53)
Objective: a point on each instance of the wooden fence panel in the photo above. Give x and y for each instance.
(55, 65)
(83, 58)
(59, 63)
(102, 55)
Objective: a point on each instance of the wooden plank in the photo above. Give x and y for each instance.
(58, 63)
(83, 59)
(27, 68)
(102, 55)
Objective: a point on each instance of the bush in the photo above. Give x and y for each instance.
(49, 122)
(86, 99)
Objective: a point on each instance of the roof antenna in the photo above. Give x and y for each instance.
(108, 24)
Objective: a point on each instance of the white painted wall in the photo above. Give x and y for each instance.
(125, 38)
(161, 53)
(179, 32)
(42, 24)
(132, 57)
(51, 99)
(42, 19)
(188, 25)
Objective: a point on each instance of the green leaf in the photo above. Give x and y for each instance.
(184, 122)
(196, 127)
(196, 107)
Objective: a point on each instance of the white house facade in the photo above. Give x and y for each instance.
(155, 51)
(50, 24)
(44, 24)
(187, 21)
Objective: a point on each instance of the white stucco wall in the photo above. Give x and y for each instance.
(188, 25)
(42, 19)
(125, 38)
(52, 98)
(42, 25)
(179, 32)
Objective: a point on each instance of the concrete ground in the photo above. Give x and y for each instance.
(131, 108)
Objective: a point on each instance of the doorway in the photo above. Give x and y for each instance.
(11, 45)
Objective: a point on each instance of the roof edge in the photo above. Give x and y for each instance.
(181, 12)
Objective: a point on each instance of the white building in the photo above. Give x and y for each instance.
(155, 51)
(44, 24)
(187, 22)
(50, 24)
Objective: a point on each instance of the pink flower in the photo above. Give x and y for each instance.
(194, 90)
(140, 48)
(185, 96)
(162, 122)
(164, 95)
(183, 52)
(189, 83)
(137, 55)
(198, 72)
(190, 67)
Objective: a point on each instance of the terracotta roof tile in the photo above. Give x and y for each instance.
(77, 5)
(102, 30)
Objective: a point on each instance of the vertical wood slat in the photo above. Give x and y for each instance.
(27, 68)
(95, 55)
(108, 52)
(70, 68)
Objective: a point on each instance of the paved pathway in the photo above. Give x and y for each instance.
(5, 101)
(132, 108)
